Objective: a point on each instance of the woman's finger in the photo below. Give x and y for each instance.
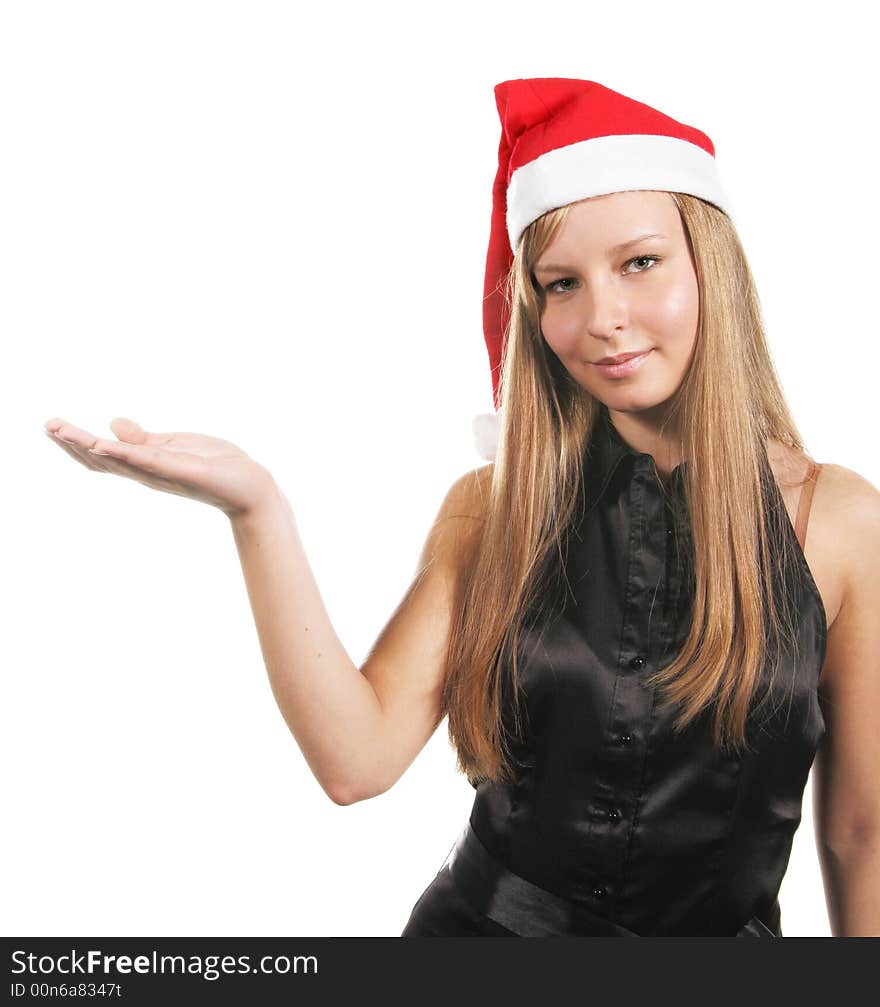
(131, 432)
(208, 469)
(79, 453)
(123, 467)
(69, 432)
(81, 441)
(152, 465)
(143, 457)
(78, 444)
(114, 464)
(155, 461)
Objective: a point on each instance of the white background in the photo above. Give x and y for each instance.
(269, 223)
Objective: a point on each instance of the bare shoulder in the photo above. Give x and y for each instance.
(469, 494)
(843, 535)
(460, 516)
(844, 521)
(849, 505)
(851, 509)
(848, 514)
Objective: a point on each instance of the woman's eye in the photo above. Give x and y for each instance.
(554, 288)
(551, 286)
(645, 258)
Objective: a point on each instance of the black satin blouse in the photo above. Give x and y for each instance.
(662, 834)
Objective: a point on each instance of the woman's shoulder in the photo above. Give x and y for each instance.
(844, 521)
(461, 514)
(847, 506)
(838, 488)
(469, 493)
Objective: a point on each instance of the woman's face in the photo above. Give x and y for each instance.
(604, 301)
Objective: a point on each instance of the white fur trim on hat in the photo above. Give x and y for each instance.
(606, 164)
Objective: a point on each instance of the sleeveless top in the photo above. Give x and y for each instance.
(665, 834)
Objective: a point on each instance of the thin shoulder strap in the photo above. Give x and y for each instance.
(806, 499)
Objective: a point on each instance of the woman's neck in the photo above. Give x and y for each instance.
(649, 432)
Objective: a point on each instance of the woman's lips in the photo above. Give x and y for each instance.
(621, 370)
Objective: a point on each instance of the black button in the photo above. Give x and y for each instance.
(637, 662)
(613, 814)
(625, 739)
(669, 531)
(598, 892)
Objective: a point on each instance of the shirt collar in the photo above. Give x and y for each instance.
(607, 450)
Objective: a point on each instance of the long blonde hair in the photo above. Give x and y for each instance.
(728, 405)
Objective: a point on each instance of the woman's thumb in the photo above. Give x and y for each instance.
(128, 430)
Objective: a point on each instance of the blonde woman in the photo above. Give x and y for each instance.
(645, 618)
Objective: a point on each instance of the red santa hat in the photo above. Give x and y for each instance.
(563, 140)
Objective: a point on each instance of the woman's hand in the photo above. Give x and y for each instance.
(191, 465)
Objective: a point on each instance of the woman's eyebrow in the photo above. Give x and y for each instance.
(547, 267)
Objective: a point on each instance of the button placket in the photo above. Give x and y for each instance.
(621, 772)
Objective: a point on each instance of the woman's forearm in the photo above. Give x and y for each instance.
(330, 707)
(852, 889)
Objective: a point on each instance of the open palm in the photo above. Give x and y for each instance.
(193, 465)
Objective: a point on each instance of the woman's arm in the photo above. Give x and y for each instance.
(846, 776)
(330, 708)
(358, 729)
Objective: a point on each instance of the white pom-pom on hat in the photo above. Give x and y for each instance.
(486, 428)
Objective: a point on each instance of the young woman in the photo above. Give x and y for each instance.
(639, 640)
